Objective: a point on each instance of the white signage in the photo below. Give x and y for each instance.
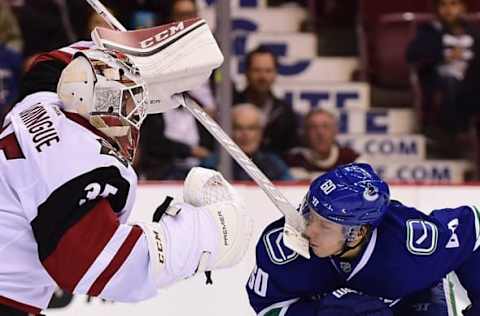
(428, 171)
(292, 45)
(271, 20)
(377, 121)
(391, 147)
(305, 71)
(307, 96)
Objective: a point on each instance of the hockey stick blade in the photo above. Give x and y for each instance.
(294, 222)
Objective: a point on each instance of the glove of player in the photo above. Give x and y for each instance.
(208, 189)
(346, 302)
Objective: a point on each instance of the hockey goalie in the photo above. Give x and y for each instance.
(67, 187)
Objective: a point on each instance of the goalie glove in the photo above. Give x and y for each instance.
(209, 190)
(194, 236)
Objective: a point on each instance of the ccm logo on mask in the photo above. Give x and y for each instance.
(166, 33)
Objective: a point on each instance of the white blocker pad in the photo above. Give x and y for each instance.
(171, 58)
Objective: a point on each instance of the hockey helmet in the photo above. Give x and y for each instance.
(106, 88)
(350, 195)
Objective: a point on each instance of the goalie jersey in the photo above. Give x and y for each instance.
(408, 253)
(65, 194)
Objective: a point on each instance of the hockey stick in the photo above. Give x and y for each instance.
(106, 15)
(294, 222)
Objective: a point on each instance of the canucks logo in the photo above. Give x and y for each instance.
(371, 193)
(276, 249)
(422, 237)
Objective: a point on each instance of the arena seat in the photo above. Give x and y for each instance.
(377, 59)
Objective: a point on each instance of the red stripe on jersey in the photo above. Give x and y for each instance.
(10, 146)
(117, 261)
(20, 306)
(81, 245)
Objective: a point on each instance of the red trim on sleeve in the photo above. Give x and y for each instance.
(20, 306)
(117, 261)
(81, 245)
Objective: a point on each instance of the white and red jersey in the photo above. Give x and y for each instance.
(65, 195)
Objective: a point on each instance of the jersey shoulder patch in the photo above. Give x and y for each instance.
(277, 251)
(422, 237)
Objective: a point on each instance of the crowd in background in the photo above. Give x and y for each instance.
(444, 53)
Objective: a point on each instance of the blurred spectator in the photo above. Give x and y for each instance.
(170, 144)
(144, 13)
(280, 132)
(247, 125)
(446, 54)
(10, 57)
(322, 152)
(10, 35)
(45, 25)
(184, 10)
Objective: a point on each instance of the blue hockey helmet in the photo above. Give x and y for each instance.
(350, 195)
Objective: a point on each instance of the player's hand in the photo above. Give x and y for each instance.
(345, 302)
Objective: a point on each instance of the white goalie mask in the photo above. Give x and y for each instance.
(105, 87)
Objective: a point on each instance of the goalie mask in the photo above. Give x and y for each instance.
(105, 87)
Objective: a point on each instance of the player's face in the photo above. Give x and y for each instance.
(262, 73)
(326, 238)
(449, 11)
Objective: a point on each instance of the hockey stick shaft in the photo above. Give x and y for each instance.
(294, 222)
(242, 159)
(106, 15)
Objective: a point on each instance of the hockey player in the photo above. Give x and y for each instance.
(67, 189)
(373, 256)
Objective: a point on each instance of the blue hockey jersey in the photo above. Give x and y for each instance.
(407, 253)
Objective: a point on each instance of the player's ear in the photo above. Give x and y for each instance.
(360, 235)
(364, 231)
